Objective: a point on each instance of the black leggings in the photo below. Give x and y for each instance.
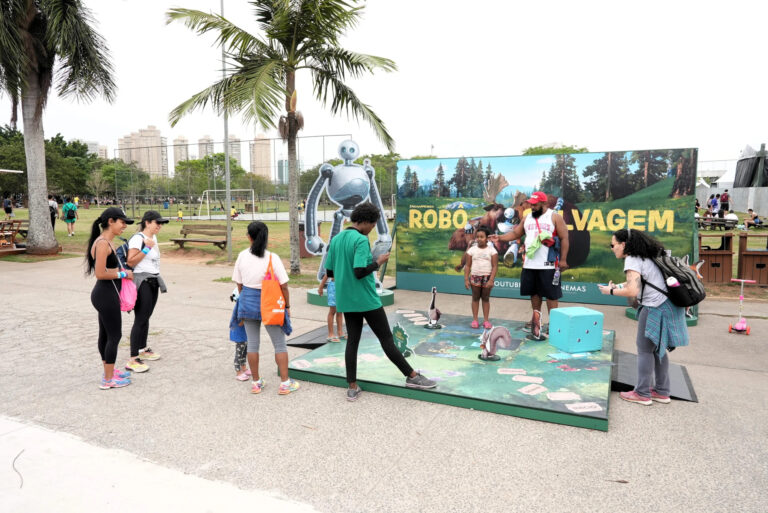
(145, 305)
(379, 324)
(106, 301)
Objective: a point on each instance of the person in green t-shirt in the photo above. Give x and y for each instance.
(350, 264)
(69, 212)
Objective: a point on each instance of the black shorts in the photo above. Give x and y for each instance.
(538, 282)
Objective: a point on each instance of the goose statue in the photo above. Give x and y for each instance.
(433, 314)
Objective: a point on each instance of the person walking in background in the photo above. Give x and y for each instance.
(70, 215)
(330, 285)
(250, 268)
(350, 264)
(660, 324)
(144, 258)
(102, 262)
(8, 206)
(725, 201)
(53, 208)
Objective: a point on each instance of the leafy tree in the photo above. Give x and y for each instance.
(12, 157)
(652, 166)
(261, 73)
(684, 162)
(461, 177)
(563, 179)
(554, 150)
(34, 34)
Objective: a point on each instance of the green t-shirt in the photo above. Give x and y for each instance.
(348, 250)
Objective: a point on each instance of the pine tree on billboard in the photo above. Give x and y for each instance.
(652, 167)
(440, 188)
(460, 177)
(684, 164)
(405, 188)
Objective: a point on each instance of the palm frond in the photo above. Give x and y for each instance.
(344, 99)
(13, 58)
(347, 63)
(234, 39)
(84, 69)
(254, 90)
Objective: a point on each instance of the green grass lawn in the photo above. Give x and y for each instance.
(278, 243)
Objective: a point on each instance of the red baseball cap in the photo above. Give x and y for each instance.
(537, 197)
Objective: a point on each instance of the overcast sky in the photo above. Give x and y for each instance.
(475, 78)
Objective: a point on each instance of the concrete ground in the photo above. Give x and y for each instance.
(187, 434)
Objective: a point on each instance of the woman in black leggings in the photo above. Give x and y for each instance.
(144, 258)
(102, 262)
(350, 263)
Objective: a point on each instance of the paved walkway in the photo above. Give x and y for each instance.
(188, 423)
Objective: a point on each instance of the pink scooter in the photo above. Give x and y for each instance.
(741, 325)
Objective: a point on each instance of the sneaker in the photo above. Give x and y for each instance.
(353, 394)
(114, 383)
(419, 381)
(148, 354)
(292, 386)
(248, 372)
(121, 374)
(634, 397)
(242, 377)
(660, 398)
(257, 386)
(137, 365)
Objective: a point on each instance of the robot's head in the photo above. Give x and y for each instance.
(509, 214)
(349, 150)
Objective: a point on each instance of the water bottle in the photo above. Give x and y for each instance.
(556, 278)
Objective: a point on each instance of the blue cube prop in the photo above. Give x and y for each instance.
(576, 329)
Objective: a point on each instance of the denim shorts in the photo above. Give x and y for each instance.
(331, 291)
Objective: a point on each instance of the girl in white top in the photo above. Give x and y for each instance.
(144, 257)
(250, 268)
(479, 273)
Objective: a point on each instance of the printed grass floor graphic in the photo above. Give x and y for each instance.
(535, 380)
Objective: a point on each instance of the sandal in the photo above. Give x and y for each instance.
(487, 325)
(343, 337)
(475, 325)
(332, 339)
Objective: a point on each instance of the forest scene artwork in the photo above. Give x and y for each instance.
(442, 201)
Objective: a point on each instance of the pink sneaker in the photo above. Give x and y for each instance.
(660, 398)
(248, 372)
(257, 386)
(242, 377)
(113, 383)
(633, 397)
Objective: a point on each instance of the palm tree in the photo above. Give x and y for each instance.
(34, 34)
(261, 73)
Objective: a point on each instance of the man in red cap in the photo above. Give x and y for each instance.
(538, 274)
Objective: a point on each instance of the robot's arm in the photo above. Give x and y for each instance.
(314, 243)
(382, 229)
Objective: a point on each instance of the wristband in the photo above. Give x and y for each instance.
(146, 250)
(121, 274)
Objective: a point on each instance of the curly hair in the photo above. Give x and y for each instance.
(484, 229)
(365, 213)
(638, 243)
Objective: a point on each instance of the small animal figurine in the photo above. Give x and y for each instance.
(433, 314)
(494, 338)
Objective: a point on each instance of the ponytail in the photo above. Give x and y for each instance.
(259, 233)
(96, 229)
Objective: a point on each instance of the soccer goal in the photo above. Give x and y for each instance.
(214, 201)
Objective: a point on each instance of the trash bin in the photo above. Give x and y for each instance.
(753, 263)
(718, 261)
(303, 241)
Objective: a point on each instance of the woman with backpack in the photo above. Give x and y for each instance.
(144, 257)
(69, 211)
(660, 324)
(101, 261)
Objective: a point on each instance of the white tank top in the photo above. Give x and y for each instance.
(539, 259)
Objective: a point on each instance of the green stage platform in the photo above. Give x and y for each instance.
(535, 380)
(313, 298)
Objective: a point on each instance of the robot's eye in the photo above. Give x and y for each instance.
(351, 150)
(343, 148)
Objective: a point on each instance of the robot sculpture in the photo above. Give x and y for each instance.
(348, 185)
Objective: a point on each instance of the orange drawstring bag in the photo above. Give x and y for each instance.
(272, 300)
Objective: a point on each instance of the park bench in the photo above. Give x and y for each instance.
(217, 235)
(8, 232)
(716, 223)
(24, 228)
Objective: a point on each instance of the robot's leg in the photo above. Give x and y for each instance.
(338, 219)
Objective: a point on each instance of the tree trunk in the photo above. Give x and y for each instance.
(41, 240)
(293, 177)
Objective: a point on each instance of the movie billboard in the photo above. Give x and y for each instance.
(442, 201)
